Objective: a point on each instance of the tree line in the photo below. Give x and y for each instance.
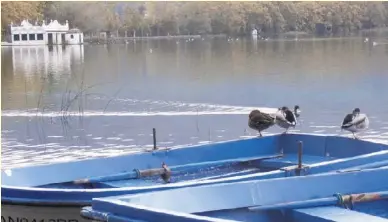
(182, 18)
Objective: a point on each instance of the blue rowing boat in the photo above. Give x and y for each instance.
(57, 192)
(336, 196)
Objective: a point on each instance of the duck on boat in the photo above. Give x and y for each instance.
(355, 122)
(285, 118)
(260, 121)
(296, 110)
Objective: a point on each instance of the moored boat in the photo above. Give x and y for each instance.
(57, 192)
(335, 196)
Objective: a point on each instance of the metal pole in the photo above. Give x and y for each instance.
(154, 135)
(327, 201)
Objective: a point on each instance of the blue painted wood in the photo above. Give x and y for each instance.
(312, 145)
(340, 147)
(262, 192)
(215, 200)
(376, 164)
(332, 214)
(291, 159)
(344, 163)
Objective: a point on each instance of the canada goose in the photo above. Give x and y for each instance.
(355, 122)
(285, 118)
(260, 121)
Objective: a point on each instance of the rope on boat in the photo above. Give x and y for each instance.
(89, 214)
(348, 201)
(164, 173)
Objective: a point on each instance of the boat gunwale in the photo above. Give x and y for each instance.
(123, 191)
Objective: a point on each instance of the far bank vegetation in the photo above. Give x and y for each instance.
(182, 18)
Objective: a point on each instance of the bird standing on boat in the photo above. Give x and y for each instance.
(285, 118)
(355, 122)
(260, 121)
(296, 110)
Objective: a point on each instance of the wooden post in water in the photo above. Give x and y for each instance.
(154, 136)
(300, 153)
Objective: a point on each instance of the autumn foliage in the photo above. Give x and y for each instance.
(174, 18)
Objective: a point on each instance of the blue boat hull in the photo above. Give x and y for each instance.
(301, 199)
(39, 187)
(31, 213)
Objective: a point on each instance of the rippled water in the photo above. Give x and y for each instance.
(61, 104)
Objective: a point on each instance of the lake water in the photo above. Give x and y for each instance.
(61, 104)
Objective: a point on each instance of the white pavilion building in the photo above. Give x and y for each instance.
(51, 34)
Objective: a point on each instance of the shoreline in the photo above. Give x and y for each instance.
(190, 38)
(123, 40)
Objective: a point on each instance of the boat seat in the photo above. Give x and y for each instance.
(292, 159)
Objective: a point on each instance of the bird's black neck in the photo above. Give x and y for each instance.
(289, 116)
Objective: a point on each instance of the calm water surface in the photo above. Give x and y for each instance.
(61, 104)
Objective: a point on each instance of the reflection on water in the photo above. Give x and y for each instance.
(60, 104)
(45, 60)
(30, 72)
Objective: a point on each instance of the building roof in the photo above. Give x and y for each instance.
(25, 25)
